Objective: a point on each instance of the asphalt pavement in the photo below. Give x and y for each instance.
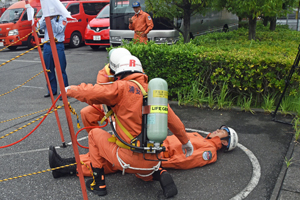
(256, 169)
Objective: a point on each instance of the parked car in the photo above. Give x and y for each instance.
(14, 25)
(82, 11)
(97, 30)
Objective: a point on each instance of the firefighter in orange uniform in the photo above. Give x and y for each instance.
(205, 149)
(106, 153)
(141, 23)
(91, 116)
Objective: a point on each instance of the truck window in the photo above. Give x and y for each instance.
(121, 11)
(74, 9)
(25, 14)
(93, 8)
(11, 15)
(104, 13)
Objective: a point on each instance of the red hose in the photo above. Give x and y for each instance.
(91, 127)
(1, 147)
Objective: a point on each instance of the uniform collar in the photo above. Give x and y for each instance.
(139, 77)
(140, 13)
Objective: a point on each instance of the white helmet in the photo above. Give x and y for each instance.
(115, 56)
(129, 64)
(233, 138)
(109, 54)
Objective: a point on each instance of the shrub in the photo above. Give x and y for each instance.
(249, 68)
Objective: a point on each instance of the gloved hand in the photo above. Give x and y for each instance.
(66, 88)
(188, 147)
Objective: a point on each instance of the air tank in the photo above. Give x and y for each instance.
(157, 119)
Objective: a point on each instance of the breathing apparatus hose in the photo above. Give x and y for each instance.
(116, 134)
(131, 146)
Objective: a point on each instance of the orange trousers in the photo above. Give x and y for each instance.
(103, 153)
(140, 38)
(90, 116)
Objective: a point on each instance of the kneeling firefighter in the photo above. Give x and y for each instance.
(90, 115)
(106, 154)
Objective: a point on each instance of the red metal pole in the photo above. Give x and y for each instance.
(65, 101)
(48, 83)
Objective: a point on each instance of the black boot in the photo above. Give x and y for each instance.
(56, 161)
(166, 182)
(98, 185)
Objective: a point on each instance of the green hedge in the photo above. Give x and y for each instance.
(247, 67)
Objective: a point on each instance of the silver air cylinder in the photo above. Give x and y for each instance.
(157, 119)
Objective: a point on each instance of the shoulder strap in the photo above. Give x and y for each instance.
(120, 144)
(145, 94)
(107, 70)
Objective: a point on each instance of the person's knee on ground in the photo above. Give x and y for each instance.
(56, 161)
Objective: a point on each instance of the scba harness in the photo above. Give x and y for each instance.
(154, 125)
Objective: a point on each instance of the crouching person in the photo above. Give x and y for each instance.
(106, 154)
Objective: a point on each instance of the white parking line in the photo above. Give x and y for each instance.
(256, 172)
(23, 152)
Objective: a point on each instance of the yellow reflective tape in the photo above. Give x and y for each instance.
(160, 93)
(159, 109)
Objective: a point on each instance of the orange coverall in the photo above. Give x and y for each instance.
(142, 24)
(126, 100)
(205, 152)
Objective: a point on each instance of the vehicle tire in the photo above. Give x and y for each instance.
(94, 47)
(31, 42)
(75, 40)
(12, 47)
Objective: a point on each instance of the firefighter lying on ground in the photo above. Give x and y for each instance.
(125, 99)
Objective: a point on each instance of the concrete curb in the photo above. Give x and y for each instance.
(278, 186)
(280, 179)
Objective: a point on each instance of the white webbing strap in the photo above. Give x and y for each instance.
(127, 166)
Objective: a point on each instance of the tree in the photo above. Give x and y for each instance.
(255, 8)
(287, 7)
(177, 9)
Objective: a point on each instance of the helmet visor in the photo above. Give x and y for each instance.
(223, 127)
